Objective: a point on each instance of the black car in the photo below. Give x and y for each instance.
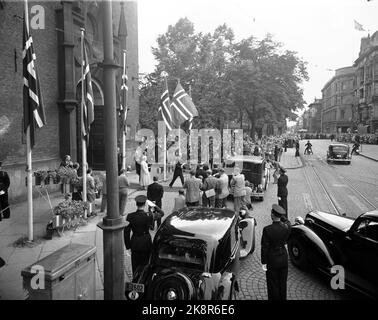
(338, 152)
(195, 256)
(324, 240)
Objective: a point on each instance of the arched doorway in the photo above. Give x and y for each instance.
(96, 146)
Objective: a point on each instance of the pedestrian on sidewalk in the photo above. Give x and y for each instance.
(138, 157)
(4, 186)
(178, 172)
(91, 191)
(144, 178)
(155, 192)
(282, 192)
(238, 185)
(297, 148)
(104, 193)
(208, 188)
(179, 202)
(123, 184)
(223, 191)
(140, 242)
(192, 187)
(276, 152)
(274, 257)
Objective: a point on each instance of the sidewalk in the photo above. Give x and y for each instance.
(289, 160)
(369, 151)
(17, 258)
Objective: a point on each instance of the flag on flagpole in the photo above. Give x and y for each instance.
(88, 100)
(358, 26)
(182, 106)
(34, 113)
(124, 89)
(164, 111)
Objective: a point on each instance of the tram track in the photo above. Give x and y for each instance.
(328, 195)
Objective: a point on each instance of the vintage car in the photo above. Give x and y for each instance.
(254, 170)
(338, 152)
(325, 240)
(195, 256)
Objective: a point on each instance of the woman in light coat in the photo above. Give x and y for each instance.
(238, 184)
(144, 179)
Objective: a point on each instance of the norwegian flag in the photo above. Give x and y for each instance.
(88, 104)
(34, 113)
(164, 111)
(124, 90)
(183, 108)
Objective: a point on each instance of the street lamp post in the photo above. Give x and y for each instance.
(112, 225)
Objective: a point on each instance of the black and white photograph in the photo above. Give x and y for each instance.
(203, 150)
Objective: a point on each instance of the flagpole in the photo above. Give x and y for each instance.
(165, 140)
(83, 141)
(29, 178)
(124, 127)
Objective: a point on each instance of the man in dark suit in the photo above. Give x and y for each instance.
(155, 193)
(178, 172)
(4, 186)
(140, 242)
(274, 257)
(282, 189)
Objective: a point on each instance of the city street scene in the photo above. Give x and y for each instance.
(199, 150)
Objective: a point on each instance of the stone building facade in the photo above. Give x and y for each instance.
(366, 86)
(57, 48)
(337, 96)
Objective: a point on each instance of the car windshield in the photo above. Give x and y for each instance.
(189, 256)
(247, 166)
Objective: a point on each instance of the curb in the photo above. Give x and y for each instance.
(367, 157)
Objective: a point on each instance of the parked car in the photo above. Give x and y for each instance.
(195, 256)
(338, 152)
(324, 240)
(254, 170)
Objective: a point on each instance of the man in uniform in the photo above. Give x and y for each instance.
(274, 257)
(140, 242)
(282, 192)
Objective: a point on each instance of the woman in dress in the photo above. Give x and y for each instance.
(144, 179)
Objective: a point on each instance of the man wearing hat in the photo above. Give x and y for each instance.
(274, 257)
(140, 242)
(4, 186)
(282, 189)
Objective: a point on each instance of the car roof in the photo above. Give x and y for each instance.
(338, 145)
(255, 159)
(371, 214)
(199, 222)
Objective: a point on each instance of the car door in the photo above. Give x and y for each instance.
(362, 248)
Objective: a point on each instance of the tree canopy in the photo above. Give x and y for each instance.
(253, 78)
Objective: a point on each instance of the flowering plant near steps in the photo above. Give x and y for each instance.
(42, 174)
(71, 209)
(66, 174)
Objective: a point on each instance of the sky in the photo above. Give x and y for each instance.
(322, 32)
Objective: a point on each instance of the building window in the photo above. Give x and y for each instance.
(342, 114)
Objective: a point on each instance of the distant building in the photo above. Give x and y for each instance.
(366, 86)
(337, 97)
(314, 119)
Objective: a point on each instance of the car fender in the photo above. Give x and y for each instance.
(312, 241)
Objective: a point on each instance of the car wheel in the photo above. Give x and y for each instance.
(173, 286)
(297, 253)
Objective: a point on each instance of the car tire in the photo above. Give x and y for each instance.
(297, 253)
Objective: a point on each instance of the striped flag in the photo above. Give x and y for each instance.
(164, 111)
(182, 106)
(358, 26)
(124, 90)
(34, 113)
(88, 104)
